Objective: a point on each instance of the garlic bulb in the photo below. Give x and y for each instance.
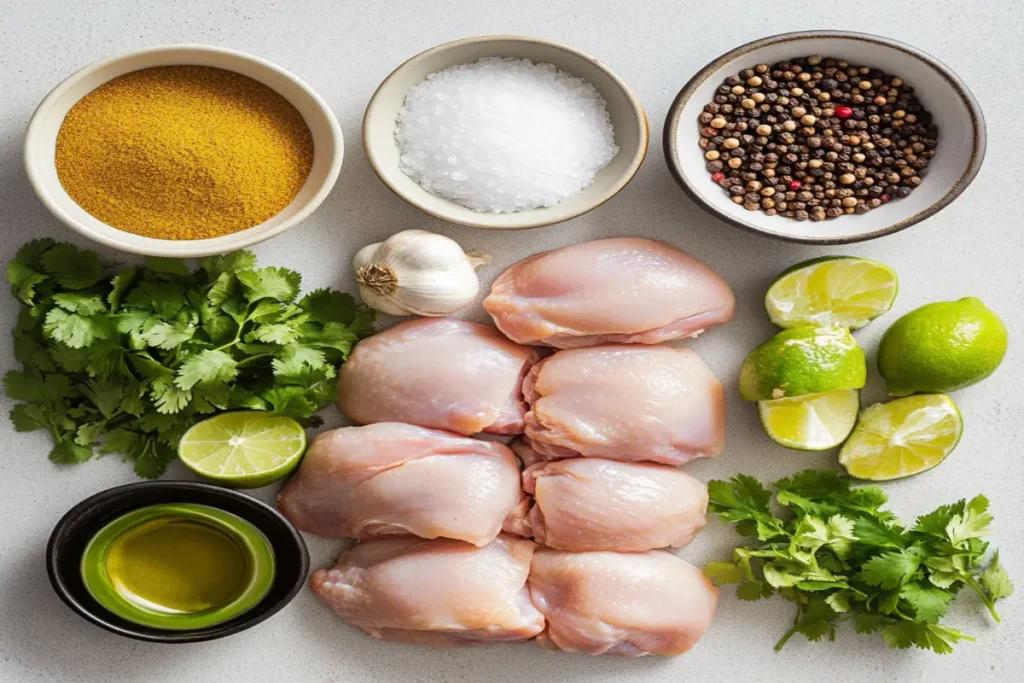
(417, 272)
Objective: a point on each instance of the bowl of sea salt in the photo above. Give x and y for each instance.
(505, 132)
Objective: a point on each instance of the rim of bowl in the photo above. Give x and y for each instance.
(235, 625)
(614, 189)
(183, 248)
(979, 134)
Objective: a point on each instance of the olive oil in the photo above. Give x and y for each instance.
(177, 565)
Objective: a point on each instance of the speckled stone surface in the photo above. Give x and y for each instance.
(344, 49)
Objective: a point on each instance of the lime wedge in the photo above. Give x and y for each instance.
(800, 361)
(834, 291)
(244, 449)
(903, 437)
(815, 422)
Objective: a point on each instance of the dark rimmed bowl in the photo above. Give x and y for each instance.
(961, 149)
(80, 524)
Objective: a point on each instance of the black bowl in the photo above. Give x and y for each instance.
(80, 524)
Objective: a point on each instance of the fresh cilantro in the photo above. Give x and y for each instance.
(126, 361)
(838, 555)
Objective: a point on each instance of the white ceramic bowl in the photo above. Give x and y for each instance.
(41, 143)
(958, 157)
(627, 114)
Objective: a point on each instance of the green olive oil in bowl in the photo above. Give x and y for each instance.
(178, 566)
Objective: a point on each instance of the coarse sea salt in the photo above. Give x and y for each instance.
(502, 135)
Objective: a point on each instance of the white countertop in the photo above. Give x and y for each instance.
(344, 49)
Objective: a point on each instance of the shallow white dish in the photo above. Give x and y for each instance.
(958, 158)
(627, 115)
(41, 143)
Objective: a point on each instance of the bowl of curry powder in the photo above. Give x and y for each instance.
(182, 151)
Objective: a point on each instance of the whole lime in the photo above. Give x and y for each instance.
(942, 346)
(800, 361)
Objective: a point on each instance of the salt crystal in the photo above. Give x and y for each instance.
(528, 135)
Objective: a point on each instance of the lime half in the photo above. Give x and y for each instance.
(834, 291)
(244, 449)
(803, 360)
(815, 422)
(902, 437)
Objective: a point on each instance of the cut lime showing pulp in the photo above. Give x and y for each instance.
(244, 449)
(834, 291)
(903, 437)
(815, 422)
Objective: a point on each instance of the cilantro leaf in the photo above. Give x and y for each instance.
(153, 462)
(119, 284)
(869, 622)
(906, 634)
(215, 266)
(741, 497)
(889, 570)
(28, 417)
(972, 523)
(68, 452)
(328, 306)
(72, 267)
(295, 359)
(168, 335)
(207, 366)
(72, 329)
(167, 397)
(80, 302)
(31, 253)
(161, 265)
(224, 287)
(279, 284)
(935, 522)
(24, 280)
(289, 401)
(995, 580)
(754, 590)
(929, 602)
(724, 572)
(105, 394)
(870, 531)
(275, 333)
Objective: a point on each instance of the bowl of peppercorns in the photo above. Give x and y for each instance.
(824, 137)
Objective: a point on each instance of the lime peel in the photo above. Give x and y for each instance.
(803, 360)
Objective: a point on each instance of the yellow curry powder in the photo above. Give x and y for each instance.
(183, 152)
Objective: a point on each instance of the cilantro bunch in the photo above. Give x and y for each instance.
(127, 361)
(836, 554)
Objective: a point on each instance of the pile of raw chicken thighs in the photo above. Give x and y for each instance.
(445, 521)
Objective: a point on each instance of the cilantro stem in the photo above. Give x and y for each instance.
(238, 334)
(989, 603)
(252, 358)
(789, 634)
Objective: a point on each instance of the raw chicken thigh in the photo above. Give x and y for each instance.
(392, 479)
(624, 604)
(623, 289)
(437, 372)
(597, 504)
(440, 593)
(627, 403)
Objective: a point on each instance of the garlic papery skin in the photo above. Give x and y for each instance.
(416, 272)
